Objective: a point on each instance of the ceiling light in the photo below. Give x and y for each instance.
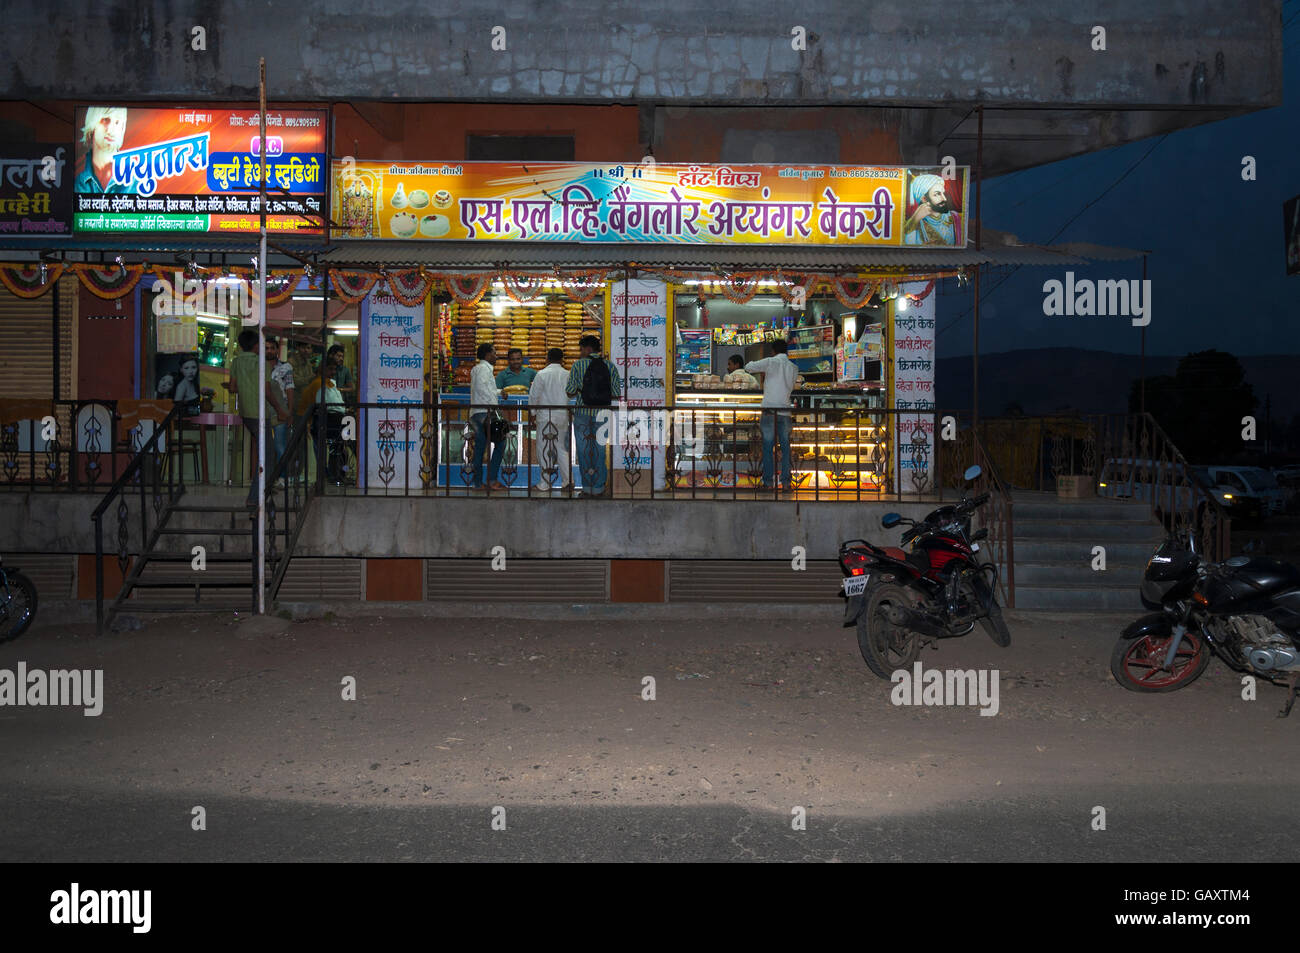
(219, 322)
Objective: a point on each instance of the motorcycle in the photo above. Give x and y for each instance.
(17, 603)
(903, 601)
(1245, 610)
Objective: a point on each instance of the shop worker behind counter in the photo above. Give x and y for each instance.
(243, 381)
(779, 375)
(594, 381)
(516, 375)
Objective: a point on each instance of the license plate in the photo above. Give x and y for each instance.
(855, 585)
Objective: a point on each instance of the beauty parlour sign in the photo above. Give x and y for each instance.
(687, 204)
(187, 169)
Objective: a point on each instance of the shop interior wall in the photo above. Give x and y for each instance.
(438, 130)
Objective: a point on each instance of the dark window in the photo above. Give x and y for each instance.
(519, 148)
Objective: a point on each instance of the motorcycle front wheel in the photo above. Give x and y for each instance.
(17, 606)
(886, 647)
(1138, 664)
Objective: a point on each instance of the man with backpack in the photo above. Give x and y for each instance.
(593, 381)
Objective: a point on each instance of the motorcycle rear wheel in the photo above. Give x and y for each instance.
(1137, 663)
(17, 607)
(886, 647)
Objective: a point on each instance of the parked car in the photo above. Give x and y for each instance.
(1231, 490)
(1253, 482)
(1141, 480)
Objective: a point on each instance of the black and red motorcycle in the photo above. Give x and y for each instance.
(903, 601)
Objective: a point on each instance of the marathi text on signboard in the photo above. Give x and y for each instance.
(692, 204)
(184, 169)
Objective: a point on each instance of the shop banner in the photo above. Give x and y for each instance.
(393, 372)
(638, 346)
(690, 204)
(193, 169)
(35, 189)
(914, 390)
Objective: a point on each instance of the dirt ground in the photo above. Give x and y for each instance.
(752, 720)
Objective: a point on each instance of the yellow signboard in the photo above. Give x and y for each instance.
(687, 204)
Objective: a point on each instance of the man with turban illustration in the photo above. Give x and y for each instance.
(934, 222)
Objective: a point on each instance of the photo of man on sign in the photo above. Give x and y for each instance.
(101, 139)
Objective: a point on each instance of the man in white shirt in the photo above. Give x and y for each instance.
(779, 374)
(552, 444)
(484, 395)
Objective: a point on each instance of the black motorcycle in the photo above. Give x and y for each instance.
(17, 603)
(1245, 610)
(902, 601)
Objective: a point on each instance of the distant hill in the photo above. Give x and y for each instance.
(1047, 380)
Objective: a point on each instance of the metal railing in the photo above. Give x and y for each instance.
(289, 503)
(844, 454)
(155, 471)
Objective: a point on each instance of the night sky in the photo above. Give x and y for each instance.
(1217, 266)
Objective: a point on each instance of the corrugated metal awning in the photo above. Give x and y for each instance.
(473, 255)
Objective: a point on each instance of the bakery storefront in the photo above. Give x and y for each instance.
(684, 272)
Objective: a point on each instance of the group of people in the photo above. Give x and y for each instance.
(293, 390)
(592, 382)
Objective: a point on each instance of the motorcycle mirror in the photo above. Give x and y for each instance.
(890, 520)
(972, 473)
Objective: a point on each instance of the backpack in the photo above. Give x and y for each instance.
(597, 388)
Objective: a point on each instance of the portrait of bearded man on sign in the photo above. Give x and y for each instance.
(934, 219)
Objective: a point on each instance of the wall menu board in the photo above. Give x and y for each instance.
(638, 346)
(693, 204)
(194, 169)
(914, 390)
(35, 189)
(394, 361)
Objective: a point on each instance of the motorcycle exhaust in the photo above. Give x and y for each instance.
(915, 621)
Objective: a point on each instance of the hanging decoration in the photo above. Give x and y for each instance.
(280, 285)
(352, 286)
(582, 286)
(30, 281)
(409, 287)
(853, 294)
(111, 283)
(741, 286)
(920, 295)
(467, 289)
(521, 286)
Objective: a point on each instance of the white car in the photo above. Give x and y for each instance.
(1253, 482)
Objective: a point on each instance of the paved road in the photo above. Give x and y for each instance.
(545, 720)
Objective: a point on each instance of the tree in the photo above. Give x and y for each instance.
(1200, 407)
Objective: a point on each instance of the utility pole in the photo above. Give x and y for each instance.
(261, 355)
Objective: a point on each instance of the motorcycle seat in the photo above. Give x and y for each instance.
(917, 560)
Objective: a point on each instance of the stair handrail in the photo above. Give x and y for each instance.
(1002, 532)
(1216, 532)
(162, 508)
(297, 489)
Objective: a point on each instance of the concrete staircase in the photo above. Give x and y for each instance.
(1054, 540)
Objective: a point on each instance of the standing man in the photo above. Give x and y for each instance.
(483, 396)
(779, 374)
(282, 374)
(243, 373)
(516, 374)
(552, 445)
(341, 373)
(594, 381)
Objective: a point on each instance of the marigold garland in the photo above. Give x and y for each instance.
(352, 286)
(467, 289)
(109, 283)
(409, 287)
(25, 282)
